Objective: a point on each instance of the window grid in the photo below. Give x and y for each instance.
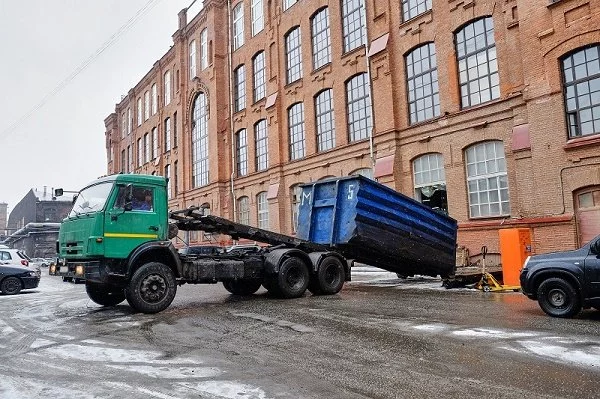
(146, 105)
(242, 152)
(288, 3)
(167, 87)
(123, 162)
(296, 131)
(487, 180)
(352, 24)
(293, 49)
(129, 121)
(262, 145)
(130, 158)
(192, 59)
(321, 39)
(412, 8)
(123, 125)
(581, 73)
(203, 49)
(200, 165)
(244, 210)
(175, 138)
(258, 22)
(477, 64)
(139, 111)
(167, 134)
(154, 99)
(239, 84)
(140, 152)
(260, 87)
(147, 148)
(154, 143)
(238, 26)
(262, 206)
(428, 170)
(325, 120)
(359, 107)
(423, 90)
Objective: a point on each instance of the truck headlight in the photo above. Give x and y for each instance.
(79, 270)
(52, 269)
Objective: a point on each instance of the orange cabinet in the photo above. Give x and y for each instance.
(515, 247)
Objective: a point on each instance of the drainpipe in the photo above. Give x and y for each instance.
(229, 74)
(365, 32)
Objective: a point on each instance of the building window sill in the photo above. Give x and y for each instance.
(582, 142)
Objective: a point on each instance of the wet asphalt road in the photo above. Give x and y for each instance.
(379, 338)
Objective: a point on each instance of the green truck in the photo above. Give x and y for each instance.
(118, 238)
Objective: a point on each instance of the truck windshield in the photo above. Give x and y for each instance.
(91, 199)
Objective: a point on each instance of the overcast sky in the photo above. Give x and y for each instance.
(61, 144)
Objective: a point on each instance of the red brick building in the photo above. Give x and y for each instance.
(489, 110)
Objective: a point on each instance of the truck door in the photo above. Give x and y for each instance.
(130, 221)
(592, 272)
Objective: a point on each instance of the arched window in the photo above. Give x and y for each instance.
(325, 120)
(293, 51)
(256, 10)
(204, 49)
(192, 59)
(238, 25)
(477, 65)
(352, 24)
(296, 131)
(239, 88)
(200, 165)
(167, 81)
(430, 181)
(412, 8)
(321, 38)
(259, 76)
(241, 139)
(366, 172)
(243, 205)
(262, 209)
(581, 72)
(487, 180)
(262, 145)
(359, 107)
(422, 81)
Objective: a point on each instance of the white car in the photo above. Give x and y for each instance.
(12, 256)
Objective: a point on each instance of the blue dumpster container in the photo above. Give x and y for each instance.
(373, 224)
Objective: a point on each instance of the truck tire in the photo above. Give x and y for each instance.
(11, 286)
(104, 295)
(67, 279)
(292, 279)
(329, 279)
(558, 298)
(242, 287)
(152, 288)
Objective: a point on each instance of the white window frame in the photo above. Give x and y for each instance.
(243, 210)
(261, 145)
(154, 143)
(140, 152)
(321, 38)
(259, 69)
(192, 59)
(358, 103)
(239, 88)
(200, 142)
(123, 125)
(140, 111)
(238, 26)
(167, 124)
(146, 105)
(241, 152)
(129, 121)
(167, 78)
(293, 51)
(154, 90)
(262, 210)
(168, 177)
(204, 49)
(258, 21)
(428, 174)
(147, 148)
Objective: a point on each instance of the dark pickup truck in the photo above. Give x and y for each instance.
(564, 282)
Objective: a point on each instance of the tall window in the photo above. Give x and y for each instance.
(262, 145)
(175, 138)
(486, 179)
(129, 121)
(258, 66)
(140, 152)
(146, 105)
(123, 125)
(243, 210)
(200, 142)
(257, 16)
(477, 65)
(123, 162)
(296, 131)
(430, 181)
(359, 107)
(293, 50)
(168, 177)
(130, 158)
(321, 38)
(175, 179)
(241, 139)
(139, 111)
(412, 8)
(296, 191)
(167, 131)
(423, 92)
(239, 87)
(325, 120)
(147, 147)
(352, 21)
(192, 59)
(581, 71)
(154, 143)
(262, 206)
(288, 3)
(204, 49)
(238, 26)
(154, 99)
(167, 87)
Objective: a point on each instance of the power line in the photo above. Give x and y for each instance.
(65, 82)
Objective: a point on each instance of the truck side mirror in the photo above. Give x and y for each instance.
(75, 198)
(58, 192)
(595, 247)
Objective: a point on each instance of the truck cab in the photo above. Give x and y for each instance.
(564, 282)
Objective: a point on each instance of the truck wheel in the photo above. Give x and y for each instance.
(242, 287)
(11, 286)
(104, 295)
(152, 288)
(558, 298)
(329, 279)
(292, 279)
